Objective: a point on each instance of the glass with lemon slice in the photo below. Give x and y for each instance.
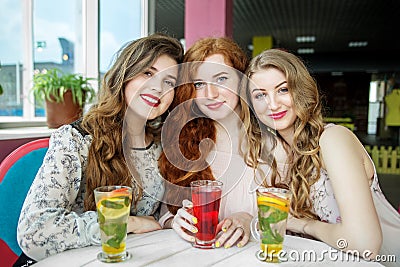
(113, 208)
(273, 208)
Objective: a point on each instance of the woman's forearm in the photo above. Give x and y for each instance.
(345, 238)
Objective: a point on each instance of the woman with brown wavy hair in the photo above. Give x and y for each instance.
(336, 195)
(116, 143)
(202, 140)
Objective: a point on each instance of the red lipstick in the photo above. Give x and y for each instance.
(278, 115)
(150, 100)
(215, 105)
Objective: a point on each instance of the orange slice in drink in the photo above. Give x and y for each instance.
(120, 192)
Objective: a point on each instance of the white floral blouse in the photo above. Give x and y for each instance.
(52, 218)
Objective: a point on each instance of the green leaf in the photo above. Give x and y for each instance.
(118, 231)
(278, 238)
(52, 84)
(263, 208)
(111, 205)
(277, 216)
(110, 229)
(127, 201)
(101, 218)
(113, 242)
(267, 235)
(121, 232)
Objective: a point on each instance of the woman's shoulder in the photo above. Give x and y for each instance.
(335, 128)
(68, 135)
(67, 130)
(339, 141)
(333, 134)
(77, 125)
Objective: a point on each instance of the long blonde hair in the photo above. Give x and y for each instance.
(106, 164)
(303, 155)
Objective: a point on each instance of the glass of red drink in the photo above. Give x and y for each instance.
(206, 196)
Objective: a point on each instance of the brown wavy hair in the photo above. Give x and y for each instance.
(303, 155)
(106, 164)
(195, 130)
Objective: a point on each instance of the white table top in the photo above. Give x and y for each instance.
(166, 248)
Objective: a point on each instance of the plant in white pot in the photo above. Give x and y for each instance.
(65, 95)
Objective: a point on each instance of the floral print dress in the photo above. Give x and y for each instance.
(52, 218)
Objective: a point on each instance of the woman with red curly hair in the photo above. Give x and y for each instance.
(208, 110)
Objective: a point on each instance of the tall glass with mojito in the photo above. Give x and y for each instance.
(273, 208)
(113, 208)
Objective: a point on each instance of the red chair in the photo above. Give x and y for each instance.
(17, 172)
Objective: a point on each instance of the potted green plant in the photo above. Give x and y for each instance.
(65, 95)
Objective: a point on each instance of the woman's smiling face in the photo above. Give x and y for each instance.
(271, 99)
(216, 84)
(150, 93)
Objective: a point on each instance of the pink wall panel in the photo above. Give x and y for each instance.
(207, 18)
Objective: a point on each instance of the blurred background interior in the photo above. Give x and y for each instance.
(351, 47)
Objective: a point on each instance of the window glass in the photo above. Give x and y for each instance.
(56, 37)
(120, 22)
(57, 41)
(11, 53)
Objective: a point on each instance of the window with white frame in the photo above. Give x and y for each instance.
(57, 38)
(79, 36)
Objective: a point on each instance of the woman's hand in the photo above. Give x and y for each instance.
(142, 224)
(183, 222)
(235, 229)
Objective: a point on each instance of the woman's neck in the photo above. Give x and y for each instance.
(141, 141)
(287, 135)
(229, 131)
(135, 128)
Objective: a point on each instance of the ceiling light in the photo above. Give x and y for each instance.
(305, 39)
(358, 44)
(305, 51)
(337, 73)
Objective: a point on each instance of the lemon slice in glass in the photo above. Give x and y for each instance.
(113, 207)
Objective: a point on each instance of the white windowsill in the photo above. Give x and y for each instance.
(25, 132)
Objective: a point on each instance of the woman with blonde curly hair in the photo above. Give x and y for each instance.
(333, 180)
(116, 143)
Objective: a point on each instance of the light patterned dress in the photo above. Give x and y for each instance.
(52, 218)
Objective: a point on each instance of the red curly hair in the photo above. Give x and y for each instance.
(198, 127)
